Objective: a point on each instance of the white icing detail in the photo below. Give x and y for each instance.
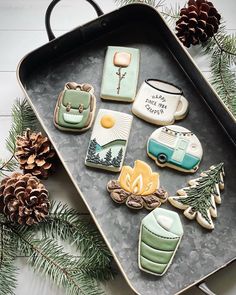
(165, 221)
(157, 106)
(171, 136)
(120, 130)
(72, 118)
(137, 185)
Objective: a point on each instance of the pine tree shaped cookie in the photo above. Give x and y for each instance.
(200, 198)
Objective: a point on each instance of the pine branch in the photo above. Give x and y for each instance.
(68, 225)
(8, 270)
(154, 3)
(48, 258)
(22, 117)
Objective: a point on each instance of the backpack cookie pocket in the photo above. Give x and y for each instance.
(75, 107)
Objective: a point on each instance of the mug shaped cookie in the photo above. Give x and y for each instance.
(75, 107)
(160, 103)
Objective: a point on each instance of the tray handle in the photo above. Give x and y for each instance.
(204, 288)
(50, 8)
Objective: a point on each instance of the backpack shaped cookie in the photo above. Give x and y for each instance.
(75, 107)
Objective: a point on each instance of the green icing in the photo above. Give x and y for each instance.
(161, 231)
(152, 266)
(150, 222)
(176, 228)
(158, 242)
(75, 125)
(155, 255)
(76, 98)
(110, 78)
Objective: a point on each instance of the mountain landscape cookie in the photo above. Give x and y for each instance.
(176, 147)
(160, 103)
(160, 235)
(75, 107)
(109, 140)
(120, 74)
(138, 187)
(200, 198)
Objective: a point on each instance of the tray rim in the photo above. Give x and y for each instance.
(64, 162)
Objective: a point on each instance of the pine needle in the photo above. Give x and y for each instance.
(49, 259)
(8, 270)
(23, 117)
(68, 225)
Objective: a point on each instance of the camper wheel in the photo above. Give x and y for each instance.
(162, 158)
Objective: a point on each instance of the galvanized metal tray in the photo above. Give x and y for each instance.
(79, 56)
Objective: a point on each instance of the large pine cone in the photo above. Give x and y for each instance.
(35, 154)
(197, 23)
(23, 199)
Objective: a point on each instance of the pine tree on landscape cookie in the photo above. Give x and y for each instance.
(200, 198)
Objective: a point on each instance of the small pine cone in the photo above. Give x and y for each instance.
(35, 154)
(197, 23)
(23, 199)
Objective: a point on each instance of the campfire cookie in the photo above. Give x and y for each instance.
(138, 187)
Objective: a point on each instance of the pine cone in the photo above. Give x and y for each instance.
(23, 199)
(35, 154)
(197, 23)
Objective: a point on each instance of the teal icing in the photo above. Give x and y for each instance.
(188, 161)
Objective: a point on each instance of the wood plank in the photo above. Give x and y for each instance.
(29, 15)
(10, 91)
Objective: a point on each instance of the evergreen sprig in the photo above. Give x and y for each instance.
(23, 117)
(49, 259)
(65, 223)
(154, 3)
(8, 270)
(221, 49)
(79, 274)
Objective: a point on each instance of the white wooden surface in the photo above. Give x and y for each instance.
(22, 30)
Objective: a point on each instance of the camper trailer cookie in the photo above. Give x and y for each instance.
(161, 232)
(176, 147)
(160, 103)
(75, 107)
(137, 187)
(109, 140)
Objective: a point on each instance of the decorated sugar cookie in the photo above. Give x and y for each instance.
(75, 107)
(120, 74)
(200, 198)
(160, 103)
(176, 147)
(109, 140)
(138, 187)
(160, 235)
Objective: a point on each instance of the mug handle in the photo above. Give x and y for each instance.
(180, 113)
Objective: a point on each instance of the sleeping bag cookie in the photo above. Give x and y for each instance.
(176, 147)
(161, 232)
(137, 187)
(109, 140)
(75, 107)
